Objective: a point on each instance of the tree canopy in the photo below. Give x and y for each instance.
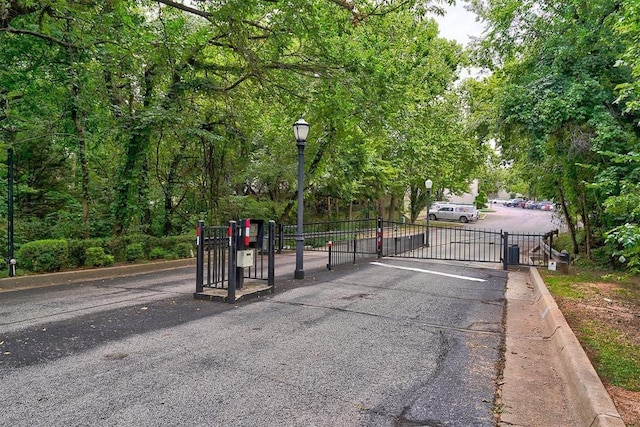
(145, 116)
(563, 86)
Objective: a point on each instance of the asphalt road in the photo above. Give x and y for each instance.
(402, 343)
(520, 220)
(405, 343)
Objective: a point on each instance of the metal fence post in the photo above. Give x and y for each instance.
(505, 250)
(280, 237)
(330, 245)
(271, 263)
(355, 248)
(379, 237)
(233, 253)
(199, 256)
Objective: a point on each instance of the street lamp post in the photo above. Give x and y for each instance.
(428, 184)
(300, 130)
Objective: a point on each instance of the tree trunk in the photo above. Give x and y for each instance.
(134, 167)
(392, 208)
(82, 155)
(587, 225)
(415, 202)
(570, 224)
(169, 190)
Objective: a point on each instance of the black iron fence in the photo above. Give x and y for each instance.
(350, 241)
(445, 243)
(227, 255)
(345, 241)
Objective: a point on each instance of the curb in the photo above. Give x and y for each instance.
(584, 386)
(65, 277)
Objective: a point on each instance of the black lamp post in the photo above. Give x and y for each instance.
(300, 130)
(428, 184)
(11, 259)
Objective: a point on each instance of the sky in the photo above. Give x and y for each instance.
(458, 24)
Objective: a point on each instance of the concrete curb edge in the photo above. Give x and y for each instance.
(584, 386)
(65, 277)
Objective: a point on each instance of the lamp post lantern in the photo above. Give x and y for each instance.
(428, 184)
(300, 130)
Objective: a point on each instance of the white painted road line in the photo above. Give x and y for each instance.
(420, 270)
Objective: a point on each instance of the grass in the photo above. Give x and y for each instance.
(564, 286)
(602, 310)
(617, 359)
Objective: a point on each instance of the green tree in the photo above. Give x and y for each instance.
(556, 64)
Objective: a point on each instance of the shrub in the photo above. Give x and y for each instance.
(185, 250)
(159, 253)
(481, 200)
(78, 249)
(135, 251)
(43, 255)
(624, 244)
(96, 257)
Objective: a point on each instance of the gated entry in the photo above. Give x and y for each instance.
(465, 244)
(235, 261)
(348, 241)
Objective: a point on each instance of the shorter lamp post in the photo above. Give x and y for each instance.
(428, 184)
(300, 130)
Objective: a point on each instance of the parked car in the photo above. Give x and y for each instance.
(530, 205)
(514, 202)
(546, 205)
(437, 205)
(462, 213)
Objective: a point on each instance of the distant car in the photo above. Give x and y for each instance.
(546, 205)
(462, 213)
(437, 205)
(514, 202)
(530, 205)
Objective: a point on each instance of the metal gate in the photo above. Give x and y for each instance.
(465, 243)
(350, 241)
(445, 243)
(233, 262)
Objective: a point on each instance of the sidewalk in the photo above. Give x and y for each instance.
(548, 379)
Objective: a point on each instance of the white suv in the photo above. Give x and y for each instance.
(462, 213)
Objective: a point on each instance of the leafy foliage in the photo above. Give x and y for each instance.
(135, 252)
(43, 255)
(625, 240)
(96, 257)
(139, 118)
(558, 116)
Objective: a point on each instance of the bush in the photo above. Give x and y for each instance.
(43, 255)
(160, 253)
(481, 201)
(78, 249)
(624, 246)
(185, 250)
(96, 257)
(135, 252)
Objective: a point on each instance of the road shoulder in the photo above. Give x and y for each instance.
(548, 379)
(531, 372)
